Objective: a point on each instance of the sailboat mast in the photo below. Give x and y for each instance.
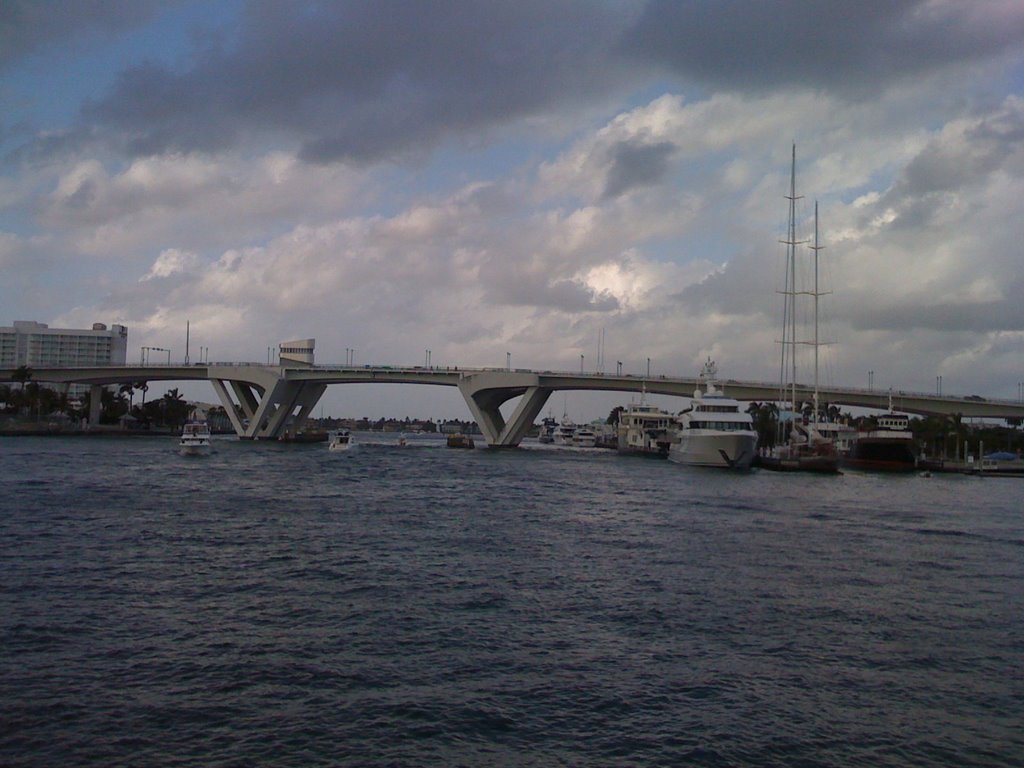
(787, 364)
(816, 248)
(791, 288)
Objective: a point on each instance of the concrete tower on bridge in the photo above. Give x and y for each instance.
(299, 351)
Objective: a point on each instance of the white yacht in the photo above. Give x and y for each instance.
(714, 431)
(645, 429)
(546, 434)
(564, 432)
(195, 439)
(339, 440)
(584, 437)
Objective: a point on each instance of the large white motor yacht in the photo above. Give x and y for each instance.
(714, 431)
(564, 432)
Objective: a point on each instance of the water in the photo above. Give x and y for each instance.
(288, 606)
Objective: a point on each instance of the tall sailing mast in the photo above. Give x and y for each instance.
(790, 342)
(816, 294)
(788, 357)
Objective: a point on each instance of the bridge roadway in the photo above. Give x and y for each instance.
(263, 400)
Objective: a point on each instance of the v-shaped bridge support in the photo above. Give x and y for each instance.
(266, 405)
(485, 393)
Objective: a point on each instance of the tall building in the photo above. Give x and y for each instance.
(36, 344)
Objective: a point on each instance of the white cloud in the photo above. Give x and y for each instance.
(170, 262)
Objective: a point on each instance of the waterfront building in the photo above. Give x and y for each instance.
(36, 345)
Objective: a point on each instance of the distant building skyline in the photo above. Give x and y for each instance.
(32, 343)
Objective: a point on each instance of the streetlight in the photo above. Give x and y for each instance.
(618, 367)
(648, 367)
(871, 381)
(581, 363)
(147, 350)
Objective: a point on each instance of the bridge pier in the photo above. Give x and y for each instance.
(95, 404)
(268, 405)
(486, 392)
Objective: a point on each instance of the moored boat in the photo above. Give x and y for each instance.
(714, 431)
(584, 437)
(645, 429)
(889, 447)
(564, 432)
(806, 451)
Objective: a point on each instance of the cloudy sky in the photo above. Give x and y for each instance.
(524, 177)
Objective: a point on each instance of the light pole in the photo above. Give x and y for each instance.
(618, 367)
(147, 350)
(648, 367)
(581, 363)
(871, 381)
(268, 355)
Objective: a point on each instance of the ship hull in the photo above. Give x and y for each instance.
(730, 450)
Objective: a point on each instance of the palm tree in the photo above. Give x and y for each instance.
(765, 417)
(145, 388)
(128, 389)
(22, 373)
(175, 408)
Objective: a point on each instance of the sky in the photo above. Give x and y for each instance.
(559, 184)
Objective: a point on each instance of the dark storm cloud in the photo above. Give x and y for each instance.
(363, 81)
(28, 26)
(634, 164)
(370, 80)
(743, 45)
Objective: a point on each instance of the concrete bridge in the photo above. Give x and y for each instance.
(262, 400)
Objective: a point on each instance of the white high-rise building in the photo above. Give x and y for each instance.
(36, 344)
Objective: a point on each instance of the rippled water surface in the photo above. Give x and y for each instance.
(284, 605)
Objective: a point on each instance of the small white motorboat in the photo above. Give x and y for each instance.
(195, 439)
(339, 440)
